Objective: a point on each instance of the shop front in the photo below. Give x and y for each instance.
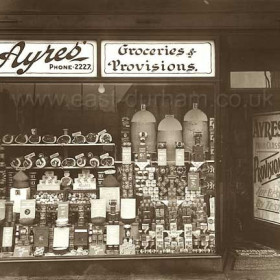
(140, 137)
(109, 151)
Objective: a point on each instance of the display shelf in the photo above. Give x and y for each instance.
(61, 168)
(58, 145)
(64, 191)
(155, 161)
(55, 204)
(112, 257)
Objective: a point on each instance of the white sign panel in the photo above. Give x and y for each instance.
(48, 59)
(158, 59)
(266, 167)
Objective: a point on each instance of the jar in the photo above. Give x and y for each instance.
(170, 132)
(195, 121)
(143, 121)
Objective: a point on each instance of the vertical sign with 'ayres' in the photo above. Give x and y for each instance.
(266, 167)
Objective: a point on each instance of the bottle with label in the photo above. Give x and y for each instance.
(17, 235)
(31, 235)
(198, 153)
(141, 121)
(195, 121)
(90, 233)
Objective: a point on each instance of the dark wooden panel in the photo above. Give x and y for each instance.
(146, 21)
(141, 6)
(116, 267)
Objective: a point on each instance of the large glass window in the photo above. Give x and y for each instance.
(107, 169)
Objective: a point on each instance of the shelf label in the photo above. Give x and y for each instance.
(180, 157)
(193, 181)
(78, 133)
(62, 211)
(54, 155)
(162, 157)
(158, 59)
(48, 59)
(2, 209)
(29, 155)
(126, 155)
(79, 156)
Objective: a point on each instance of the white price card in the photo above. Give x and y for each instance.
(109, 193)
(113, 235)
(98, 208)
(128, 208)
(61, 237)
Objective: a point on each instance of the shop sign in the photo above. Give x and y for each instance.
(266, 167)
(158, 59)
(48, 59)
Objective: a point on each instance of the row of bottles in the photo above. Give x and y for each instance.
(195, 130)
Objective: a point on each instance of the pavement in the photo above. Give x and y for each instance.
(232, 275)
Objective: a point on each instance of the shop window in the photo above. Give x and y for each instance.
(91, 169)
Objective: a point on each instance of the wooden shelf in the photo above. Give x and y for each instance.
(58, 145)
(62, 168)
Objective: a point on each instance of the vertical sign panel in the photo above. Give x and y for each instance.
(266, 167)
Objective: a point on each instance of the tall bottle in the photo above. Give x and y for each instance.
(143, 121)
(170, 132)
(195, 121)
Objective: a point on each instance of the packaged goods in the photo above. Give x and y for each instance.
(34, 138)
(65, 138)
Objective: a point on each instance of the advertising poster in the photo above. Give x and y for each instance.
(266, 167)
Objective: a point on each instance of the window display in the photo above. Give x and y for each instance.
(129, 171)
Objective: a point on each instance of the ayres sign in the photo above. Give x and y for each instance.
(48, 59)
(266, 167)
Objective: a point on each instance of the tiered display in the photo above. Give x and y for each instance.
(159, 199)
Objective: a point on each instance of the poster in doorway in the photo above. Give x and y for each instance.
(266, 167)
